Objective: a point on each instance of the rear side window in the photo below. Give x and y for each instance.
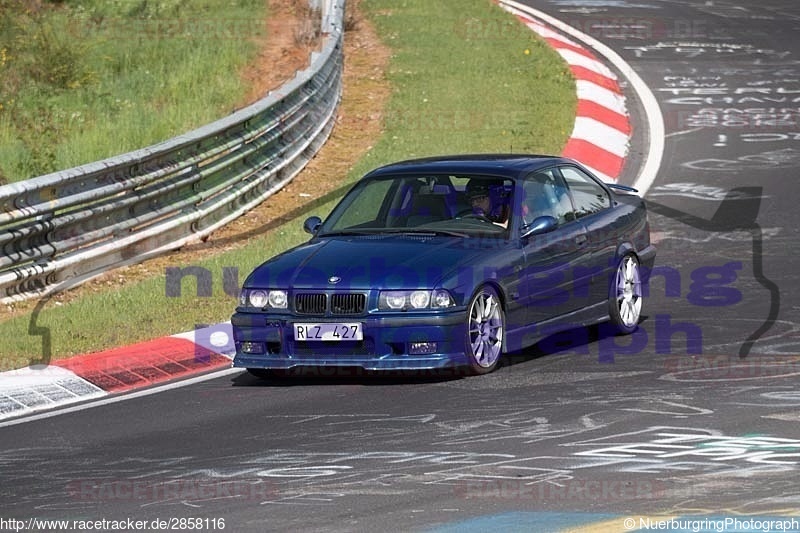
(587, 195)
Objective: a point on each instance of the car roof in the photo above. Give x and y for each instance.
(506, 165)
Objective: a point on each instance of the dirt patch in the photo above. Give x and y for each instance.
(358, 125)
(289, 39)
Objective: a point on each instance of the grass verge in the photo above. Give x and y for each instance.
(465, 77)
(82, 81)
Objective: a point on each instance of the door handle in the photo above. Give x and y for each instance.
(581, 240)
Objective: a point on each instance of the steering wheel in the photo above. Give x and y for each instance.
(468, 213)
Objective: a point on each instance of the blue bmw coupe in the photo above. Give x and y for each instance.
(449, 262)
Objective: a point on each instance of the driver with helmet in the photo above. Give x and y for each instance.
(484, 198)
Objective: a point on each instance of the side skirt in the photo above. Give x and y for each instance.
(529, 334)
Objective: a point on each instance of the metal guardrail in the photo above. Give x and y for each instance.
(77, 223)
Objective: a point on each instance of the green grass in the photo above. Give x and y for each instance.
(453, 91)
(469, 78)
(86, 80)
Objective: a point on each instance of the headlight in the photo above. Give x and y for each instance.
(257, 299)
(260, 298)
(393, 299)
(278, 299)
(441, 299)
(415, 299)
(419, 299)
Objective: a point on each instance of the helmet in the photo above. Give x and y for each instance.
(478, 187)
(498, 210)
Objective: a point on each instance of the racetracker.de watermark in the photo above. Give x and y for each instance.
(159, 490)
(600, 27)
(571, 490)
(725, 367)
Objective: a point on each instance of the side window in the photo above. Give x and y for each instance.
(545, 194)
(589, 197)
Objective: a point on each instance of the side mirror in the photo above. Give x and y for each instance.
(540, 225)
(312, 224)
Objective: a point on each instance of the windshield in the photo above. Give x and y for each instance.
(455, 205)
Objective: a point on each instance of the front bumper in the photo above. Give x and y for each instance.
(390, 342)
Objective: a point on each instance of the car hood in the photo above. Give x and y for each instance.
(368, 262)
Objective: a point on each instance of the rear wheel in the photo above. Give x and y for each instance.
(625, 298)
(485, 329)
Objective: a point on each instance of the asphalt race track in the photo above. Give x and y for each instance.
(695, 417)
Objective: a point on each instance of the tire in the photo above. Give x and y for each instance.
(485, 330)
(625, 296)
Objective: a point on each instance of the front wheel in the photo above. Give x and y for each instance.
(485, 328)
(625, 296)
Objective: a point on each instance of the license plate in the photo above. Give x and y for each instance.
(327, 331)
